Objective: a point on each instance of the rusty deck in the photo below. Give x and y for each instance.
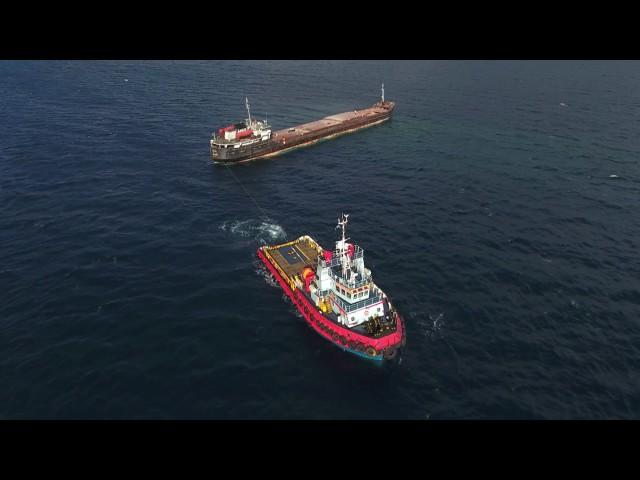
(292, 133)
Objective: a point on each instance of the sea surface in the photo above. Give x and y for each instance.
(499, 209)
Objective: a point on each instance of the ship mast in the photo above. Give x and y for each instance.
(383, 93)
(342, 245)
(246, 100)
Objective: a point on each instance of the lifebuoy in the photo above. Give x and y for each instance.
(371, 351)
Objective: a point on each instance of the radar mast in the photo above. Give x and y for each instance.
(246, 101)
(342, 245)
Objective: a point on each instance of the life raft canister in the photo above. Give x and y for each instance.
(308, 274)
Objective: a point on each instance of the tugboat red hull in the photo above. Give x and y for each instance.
(376, 349)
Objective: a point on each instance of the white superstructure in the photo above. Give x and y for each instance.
(343, 283)
(246, 133)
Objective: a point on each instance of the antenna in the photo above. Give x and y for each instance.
(246, 100)
(342, 222)
(383, 93)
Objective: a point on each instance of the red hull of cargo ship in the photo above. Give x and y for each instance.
(342, 337)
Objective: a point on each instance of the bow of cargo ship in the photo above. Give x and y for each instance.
(336, 295)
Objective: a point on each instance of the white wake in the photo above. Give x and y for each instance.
(262, 231)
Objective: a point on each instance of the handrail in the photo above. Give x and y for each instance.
(358, 284)
(282, 274)
(335, 259)
(350, 307)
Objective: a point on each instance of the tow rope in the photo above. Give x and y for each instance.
(265, 215)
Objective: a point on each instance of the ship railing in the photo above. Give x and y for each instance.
(222, 141)
(351, 307)
(343, 281)
(335, 259)
(280, 271)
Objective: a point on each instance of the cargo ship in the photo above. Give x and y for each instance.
(336, 295)
(254, 139)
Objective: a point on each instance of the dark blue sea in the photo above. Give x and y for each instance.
(499, 209)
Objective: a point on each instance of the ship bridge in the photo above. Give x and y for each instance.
(335, 257)
(358, 279)
(249, 130)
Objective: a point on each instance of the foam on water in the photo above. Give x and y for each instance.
(437, 322)
(430, 324)
(262, 271)
(261, 230)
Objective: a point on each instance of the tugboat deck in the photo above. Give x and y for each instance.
(292, 258)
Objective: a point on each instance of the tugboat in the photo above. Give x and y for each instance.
(254, 139)
(336, 294)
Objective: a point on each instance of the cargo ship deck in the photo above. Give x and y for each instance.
(289, 135)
